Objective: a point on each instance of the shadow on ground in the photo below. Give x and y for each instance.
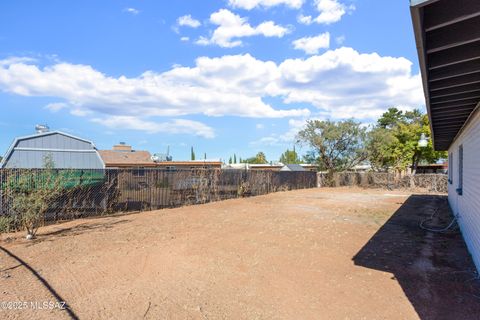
(434, 270)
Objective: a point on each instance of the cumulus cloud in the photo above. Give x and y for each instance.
(188, 21)
(231, 27)
(251, 4)
(330, 11)
(337, 84)
(175, 126)
(311, 45)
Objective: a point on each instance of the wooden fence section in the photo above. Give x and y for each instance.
(421, 182)
(96, 192)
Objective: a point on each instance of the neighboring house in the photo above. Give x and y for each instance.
(292, 167)
(310, 167)
(439, 168)
(123, 156)
(65, 150)
(271, 167)
(254, 166)
(190, 165)
(447, 33)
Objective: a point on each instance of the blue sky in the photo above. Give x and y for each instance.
(229, 76)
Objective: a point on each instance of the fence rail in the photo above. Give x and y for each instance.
(96, 192)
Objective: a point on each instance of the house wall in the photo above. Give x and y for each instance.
(66, 152)
(467, 205)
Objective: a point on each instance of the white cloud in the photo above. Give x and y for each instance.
(188, 21)
(311, 45)
(132, 11)
(344, 83)
(185, 39)
(231, 27)
(251, 4)
(175, 126)
(55, 107)
(339, 84)
(304, 19)
(287, 138)
(330, 11)
(340, 40)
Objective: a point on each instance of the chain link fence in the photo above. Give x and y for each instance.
(418, 182)
(97, 192)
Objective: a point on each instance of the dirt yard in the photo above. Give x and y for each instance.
(306, 254)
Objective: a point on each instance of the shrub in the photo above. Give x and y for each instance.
(6, 224)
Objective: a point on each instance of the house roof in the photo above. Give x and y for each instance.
(124, 158)
(189, 163)
(292, 167)
(448, 44)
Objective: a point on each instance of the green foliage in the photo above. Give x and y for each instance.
(234, 158)
(32, 192)
(192, 154)
(336, 146)
(7, 224)
(289, 157)
(393, 142)
(382, 149)
(260, 158)
(390, 118)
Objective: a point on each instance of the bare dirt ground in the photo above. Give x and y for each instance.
(306, 254)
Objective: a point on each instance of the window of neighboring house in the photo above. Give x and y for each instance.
(450, 167)
(460, 170)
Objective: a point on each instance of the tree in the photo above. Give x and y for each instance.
(259, 158)
(32, 192)
(192, 154)
(289, 157)
(336, 146)
(390, 118)
(204, 156)
(230, 160)
(234, 158)
(393, 142)
(382, 149)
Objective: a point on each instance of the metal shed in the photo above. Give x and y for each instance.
(65, 150)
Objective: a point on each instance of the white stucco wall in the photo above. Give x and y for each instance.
(467, 205)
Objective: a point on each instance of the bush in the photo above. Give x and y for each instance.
(6, 224)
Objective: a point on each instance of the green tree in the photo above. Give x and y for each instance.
(382, 149)
(259, 158)
(336, 146)
(230, 160)
(393, 142)
(289, 157)
(192, 154)
(390, 118)
(234, 158)
(32, 192)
